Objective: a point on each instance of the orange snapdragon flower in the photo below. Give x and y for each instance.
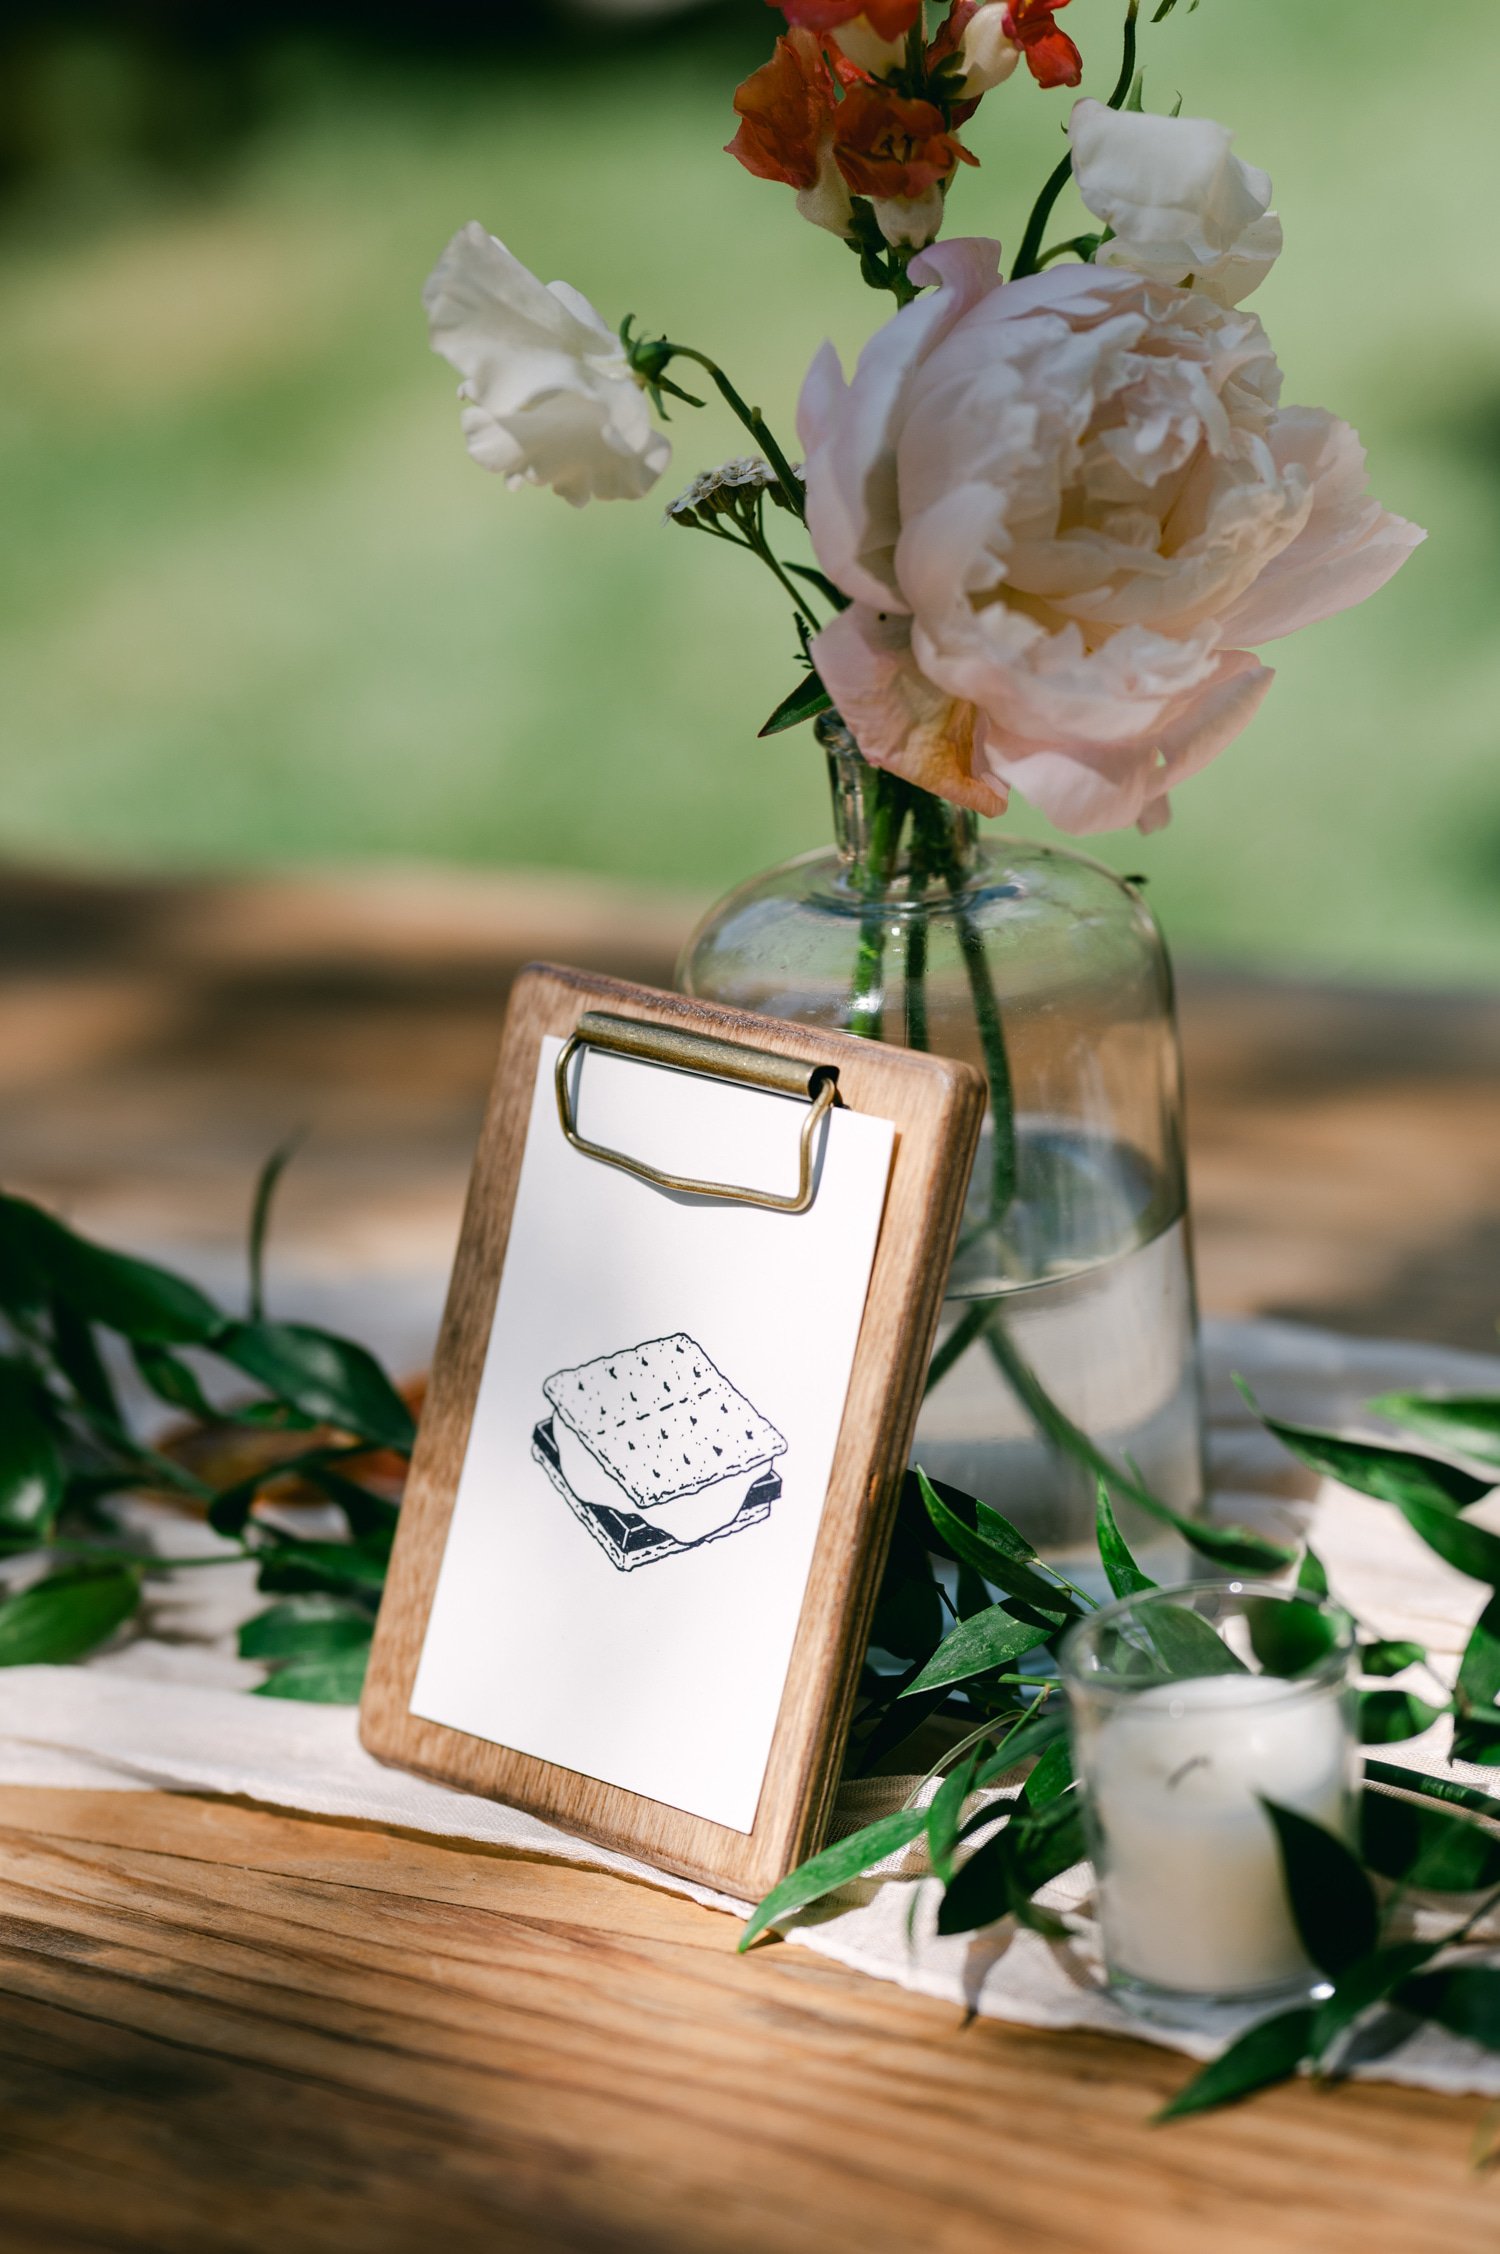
(786, 113)
(1051, 56)
(893, 149)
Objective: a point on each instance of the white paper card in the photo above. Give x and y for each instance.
(653, 1438)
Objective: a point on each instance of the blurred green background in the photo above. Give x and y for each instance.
(259, 607)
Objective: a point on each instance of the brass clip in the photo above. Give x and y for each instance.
(699, 1052)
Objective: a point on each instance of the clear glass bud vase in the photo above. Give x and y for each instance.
(1071, 1294)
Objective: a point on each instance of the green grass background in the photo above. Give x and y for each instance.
(257, 606)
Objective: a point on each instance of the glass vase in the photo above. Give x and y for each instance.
(1069, 1325)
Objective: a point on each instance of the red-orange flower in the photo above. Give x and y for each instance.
(785, 109)
(890, 19)
(891, 148)
(1051, 56)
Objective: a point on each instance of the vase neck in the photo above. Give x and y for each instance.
(893, 836)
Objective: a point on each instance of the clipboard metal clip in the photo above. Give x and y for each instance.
(724, 1060)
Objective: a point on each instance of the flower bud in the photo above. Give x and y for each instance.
(989, 54)
(827, 203)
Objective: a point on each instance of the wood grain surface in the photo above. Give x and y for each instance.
(225, 2029)
(935, 1106)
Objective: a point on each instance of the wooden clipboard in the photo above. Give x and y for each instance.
(936, 1106)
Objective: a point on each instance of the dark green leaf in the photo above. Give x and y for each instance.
(835, 1866)
(1425, 1848)
(1478, 1742)
(1289, 1637)
(1446, 1789)
(1365, 1984)
(992, 1639)
(299, 1568)
(1052, 1775)
(334, 1681)
(171, 1380)
(1465, 1999)
(1391, 1475)
(67, 1614)
(306, 1627)
(1458, 1542)
(1478, 1686)
(909, 1611)
(1001, 1876)
(805, 702)
(40, 1261)
(324, 1376)
(1386, 1656)
(1123, 1574)
(1264, 2054)
(31, 1466)
(1312, 1573)
(946, 1814)
(76, 1352)
(992, 1546)
(1386, 1717)
(822, 582)
(1469, 1424)
(1333, 1902)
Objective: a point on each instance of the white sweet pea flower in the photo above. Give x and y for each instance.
(550, 397)
(1182, 207)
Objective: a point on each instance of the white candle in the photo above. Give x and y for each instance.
(1191, 1893)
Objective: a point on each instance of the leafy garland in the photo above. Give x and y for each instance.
(326, 1420)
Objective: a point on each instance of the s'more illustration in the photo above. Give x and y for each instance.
(655, 1452)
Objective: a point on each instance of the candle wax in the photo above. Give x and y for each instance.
(1191, 1892)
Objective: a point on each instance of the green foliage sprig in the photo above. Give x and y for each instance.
(999, 1652)
(311, 1406)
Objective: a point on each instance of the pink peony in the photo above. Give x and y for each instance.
(1062, 507)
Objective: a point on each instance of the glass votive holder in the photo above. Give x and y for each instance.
(1191, 1706)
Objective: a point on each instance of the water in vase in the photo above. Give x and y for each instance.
(1091, 1279)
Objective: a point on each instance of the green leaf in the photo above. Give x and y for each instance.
(1000, 1877)
(1312, 1573)
(1186, 1644)
(40, 1260)
(805, 702)
(333, 1681)
(1425, 1848)
(1458, 1542)
(306, 1628)
(1121, 1571)
(1333, 1902)
(1469, 1424)
(1365, 1984)
(909, 1612)
(834, 1867)
(323, 1376)
(1052, 1775)
(1478, 1686)
(1288, 1637)
(171, 1380)
(1465, 1999)
(993, 1547)
(1386, 1717)
(296, 1568)
(76, 1353)
(1389, 1656)
(1391, 1475)
(1478, 1742)
(1028, 1741)
(31, 1466)
(1267, 2053)
(1447, 1789)
(995, 1638)
(946, 1814)
(67, 1614)
(260, 1221)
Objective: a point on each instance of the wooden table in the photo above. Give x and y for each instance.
(228, 2028)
